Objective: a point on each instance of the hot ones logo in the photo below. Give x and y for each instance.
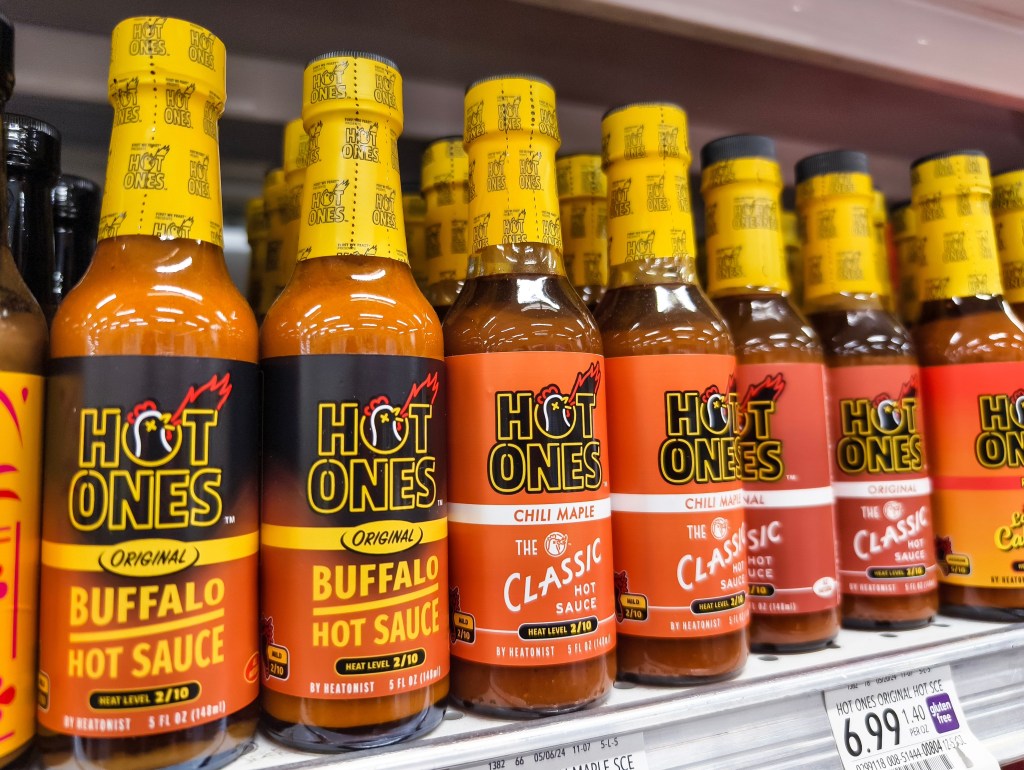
(699, 427)
(123, 482)
(758, 455)
(545, 441)
(375, 457)
(126, 102)
(327, 83)
(148, 38)
(1000, 444)
(880, 435)
(146, 169)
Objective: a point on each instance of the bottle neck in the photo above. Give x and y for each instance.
(585, 240)
(351, 200)
(743, 228)
(516, 259)
(447, 232)
(163, 172)
(30, 235)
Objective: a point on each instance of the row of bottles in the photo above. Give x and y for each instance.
(511, 508)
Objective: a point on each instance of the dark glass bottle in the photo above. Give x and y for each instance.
(76, 220)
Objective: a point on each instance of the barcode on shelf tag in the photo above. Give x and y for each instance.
(911, 720)
(613, 752)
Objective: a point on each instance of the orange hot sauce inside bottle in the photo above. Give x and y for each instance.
(444, 176)
(353, 549)
(583, 198)
(782, 435)
(972, 355)
(151, 508)
(532, 622)
(22, 361)
(680, 540)
(880, 476)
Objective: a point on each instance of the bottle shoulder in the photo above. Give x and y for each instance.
(768, 328)
(351, 305)
(969, 330)
(660, 319)
(146, 296)
(860, 336)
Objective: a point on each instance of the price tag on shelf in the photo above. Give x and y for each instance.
(912, 720)
(615, 752)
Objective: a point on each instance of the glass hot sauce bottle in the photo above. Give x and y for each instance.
(528, 482)
(444, 176)
(354, 548)
(583, 200)
(256, 234)
(782, 430)
(150, 517)
(1008, 219)
(275, 194)
(22, 361)
(296, 143)
(680, 544)
(904, 230)
(887, 567)
(972, 355)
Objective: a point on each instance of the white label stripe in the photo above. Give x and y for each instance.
(788, 498)
(708, 502)
(881, 490)
(530, 514)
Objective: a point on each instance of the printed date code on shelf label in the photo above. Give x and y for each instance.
(617, 752)
(912, 720)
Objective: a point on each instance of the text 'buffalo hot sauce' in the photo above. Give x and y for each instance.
(887, 566)
(583, 200)
(680, 543)
(781, 430)
(354, 535)
(444, 176)
(22, 359)
(1008, 218)
(148, 653)
(532, 622)
(972, 352)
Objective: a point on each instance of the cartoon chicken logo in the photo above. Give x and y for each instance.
(769, 388)
(557, 409)
(889, 411)
(384, 423)
(716, 404)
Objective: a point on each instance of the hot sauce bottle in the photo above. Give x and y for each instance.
(444, 175)
(680, 542)
(148, 653)
(880, 230)
(22, 359)
(886, 563)
(296, 144)
(275, 193)
(256, 233)
(354, 536)
(972, 351)
(532, 621)
(795, 271)
(76, 217)
(904, 229)
(414, 208)
(1008, 218)
(782, 429)
(583, 200)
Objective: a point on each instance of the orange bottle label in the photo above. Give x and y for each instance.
(883, 493)
(781, 449)
(150, 540)
(976, 448)
(680, 542)
(354, 549)
(21, 444)
(531, 550)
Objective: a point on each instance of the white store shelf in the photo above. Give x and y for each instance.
(772, 716)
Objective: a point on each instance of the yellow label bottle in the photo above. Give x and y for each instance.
(1008, 218)
(275, 191)
(791, 241)
(880, 227)
(256, 234)
(904, 233)
(445, 176)
(583, 200)
(295, 151)
(414, 209)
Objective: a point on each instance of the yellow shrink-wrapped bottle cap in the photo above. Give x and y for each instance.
(255, 219)
(295, 146)
(580, 176)
(1008, 191)
(644, 130)
(354, 82)
(505, 104)
(444, 162)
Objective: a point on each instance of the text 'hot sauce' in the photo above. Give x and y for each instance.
(781, 430)
(583, 200)
(22, 359)
(886, 563)
(972, 351)
(148, 648)
(354, 589)
(445, 176)
(680, 542)
(532, 622)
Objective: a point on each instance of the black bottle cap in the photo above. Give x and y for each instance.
(32, 145)
(6, 58)
(75, 197)
(354, 55)
(736, 146)
(834, 162)
(946, 154)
